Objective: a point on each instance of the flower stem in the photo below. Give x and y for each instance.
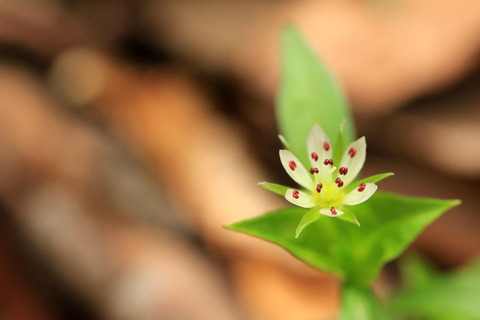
(360, 303)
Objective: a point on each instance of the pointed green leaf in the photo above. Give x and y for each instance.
(340, 144)
(372, 179)
(308, 95)
(312, 215)
(356, 254)
(276, 188)
(349, 216)
(284, 142)
(378, 177)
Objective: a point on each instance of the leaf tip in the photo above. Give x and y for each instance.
(289, 27)
(451, 203)
(455, 202)
(233, 226)
(387, 175)
(299, 230)
(228, 226)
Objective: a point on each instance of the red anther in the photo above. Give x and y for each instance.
(295, 194)
(328, 161)
(314, 156)
(333, 211)
(352, 152)
(326, 146)
(292, 165)
(339, 182)
(362, 187)
(313, 170)
(343, 170)
(319, 187)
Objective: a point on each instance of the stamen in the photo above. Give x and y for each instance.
(292, 165)
(352, 152)
(362, 187)
(343, 170)
(295, 194)
(314, 156)
(319, 187)
(326, 146)
(339, 182)
(313, 170)
(333, 211)
(328, 161)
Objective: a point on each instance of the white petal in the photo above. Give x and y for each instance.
(315, 143)
(304, 199)
(328, 212)
(356, 197)
(353, 164)
(299, 173)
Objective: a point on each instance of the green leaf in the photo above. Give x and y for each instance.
(308, 95)
(360, 303)
(349, 216)
(452, 296)
(376, 178)
(372, 179)
(417, 271)
(339, 148)
(355, 254)
(276, 188)
(312, 215)
(284, 142)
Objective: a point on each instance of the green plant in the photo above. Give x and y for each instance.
(329, 239)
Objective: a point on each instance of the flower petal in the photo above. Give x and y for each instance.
(328, 212)
(304, 200)
(353, 159)
(356, 197)
(319, 144)
(296, 170)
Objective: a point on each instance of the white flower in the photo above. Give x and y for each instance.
(327, 188)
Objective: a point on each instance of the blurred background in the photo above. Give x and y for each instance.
(131, 131)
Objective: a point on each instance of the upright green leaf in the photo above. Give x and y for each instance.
(308, 95)
(355, 254)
